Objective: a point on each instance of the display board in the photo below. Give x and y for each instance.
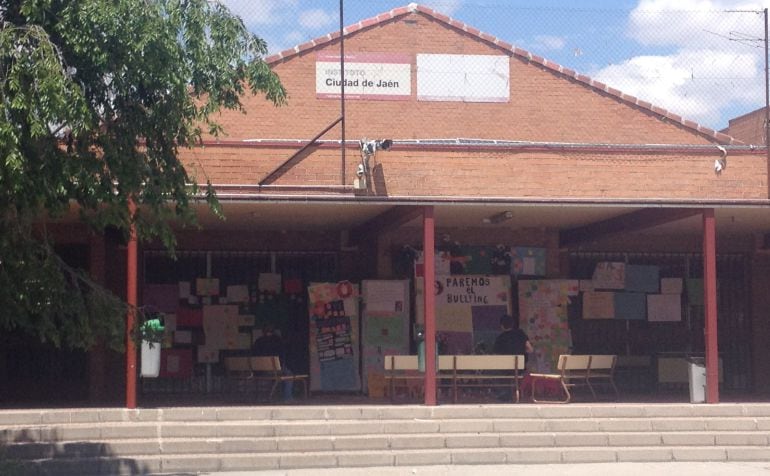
(333, 336)
(468, 310)
(384, 327)
(543, 317)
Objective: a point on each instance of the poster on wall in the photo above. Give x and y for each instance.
(334, 340)
(384, 328)
(468, 310)
(543, 317)
(463, 78)
(378, 76)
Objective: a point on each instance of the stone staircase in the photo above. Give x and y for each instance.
(202, 439)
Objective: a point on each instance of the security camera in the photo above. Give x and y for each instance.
(360, 171)
(384, 144)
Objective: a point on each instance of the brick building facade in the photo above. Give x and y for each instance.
(582, 170)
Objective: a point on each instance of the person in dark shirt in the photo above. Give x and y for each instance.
(269, 344)
(511, 341)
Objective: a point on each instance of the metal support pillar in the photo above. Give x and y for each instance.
(429, 233)
(131, 300)
(710, 303)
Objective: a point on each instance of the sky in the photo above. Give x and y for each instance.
(702, 59)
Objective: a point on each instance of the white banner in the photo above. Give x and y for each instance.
(380, 76)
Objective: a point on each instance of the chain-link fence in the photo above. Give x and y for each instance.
(702, 60)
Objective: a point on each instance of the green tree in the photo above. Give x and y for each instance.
(96, 98)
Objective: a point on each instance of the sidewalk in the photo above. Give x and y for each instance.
(588, 469)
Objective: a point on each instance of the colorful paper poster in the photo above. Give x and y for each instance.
(269, 283)
(384, 296)
(442, 261)
(671, 285)
(333, 336)
(458, 299)
(642, 278)
(543, 317)
(220, 326)
(609, 275)
(630, 306)
(695, 294)
(664, 307)
(528, 261)
(598, 305)
(207, 287)
(384, 326)
(238, 293)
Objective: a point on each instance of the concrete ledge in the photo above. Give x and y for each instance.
(465, 426)
(479, 457)
(429, 441)
(422, 458)
(748, 454)
(533, 456)
(644, 454)
(514, 440)
(249, 462)
(305, 444)
(307, 460)
(699, 454)
(472, 441)
(365, 459)
(588, 455)
(206, 462)
(364, 442)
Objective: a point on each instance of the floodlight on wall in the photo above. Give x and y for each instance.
(368, 149)
(498, 218)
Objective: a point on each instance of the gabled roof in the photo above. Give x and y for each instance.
(513, 50)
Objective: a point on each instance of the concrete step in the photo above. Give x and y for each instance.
(118, 441)
(377, 412)
(385, 442)
(203, 462)
(72, 432)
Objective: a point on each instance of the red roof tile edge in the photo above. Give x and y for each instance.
(515, 51)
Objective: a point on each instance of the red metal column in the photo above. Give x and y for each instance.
(131, 299)
(428, 244)
(710, 303)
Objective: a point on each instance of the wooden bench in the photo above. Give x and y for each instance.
(579, 370)
(458, 371)
(486, 371)
(403, 371)
(261, 369)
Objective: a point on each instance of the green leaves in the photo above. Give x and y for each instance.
(96, 97)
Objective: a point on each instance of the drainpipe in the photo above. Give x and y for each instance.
(710, 303)
(131, 299)
(429, 276)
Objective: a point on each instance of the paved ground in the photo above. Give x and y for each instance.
(592, 469)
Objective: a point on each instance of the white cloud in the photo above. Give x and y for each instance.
(695, 22)
(266, 12)
(316, 18)
(447, 7)
(549, 42)
(697, 84)
(709, 63)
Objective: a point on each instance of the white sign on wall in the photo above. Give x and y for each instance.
(379, 76)
(465, 78)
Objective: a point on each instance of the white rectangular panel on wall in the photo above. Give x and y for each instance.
(465, 78)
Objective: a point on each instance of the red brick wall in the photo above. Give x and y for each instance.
(400, 172)
(544, 106)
